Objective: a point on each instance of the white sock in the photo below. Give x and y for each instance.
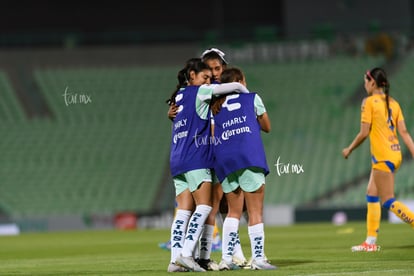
(194, 228)
(371, 240)
(230, 228)
(238, 251)
(196, 252)
(206, 242)
(257, 237)
(178, 230)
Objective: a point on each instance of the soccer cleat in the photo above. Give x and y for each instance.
(365, 247)
(189, 263)
(228, 266)
(249, 263)
(261, 265)
(172, 267)
(208, 265)
(240, 262)
(165, 245)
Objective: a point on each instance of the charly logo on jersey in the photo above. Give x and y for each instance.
(180, 123)
(231, 106)
(178, 98)
(181, 134)
(235, 131)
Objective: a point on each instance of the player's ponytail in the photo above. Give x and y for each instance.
(387, 101)
(380, 78)
(183, 76)
(182, 82)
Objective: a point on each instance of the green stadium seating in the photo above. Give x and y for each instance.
(10, 109)
(108, 155)
(111, 154)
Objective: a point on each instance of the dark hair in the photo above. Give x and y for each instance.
(214, 53)
(183, 76)
(380, 77)
(233, 74)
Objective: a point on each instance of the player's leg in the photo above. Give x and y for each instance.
(373, 219)
(238, 255)
(185, 206)
(385, 186)
(210, 226)
(198, 218)
(231, 226)
(200, 187)
(252, 183)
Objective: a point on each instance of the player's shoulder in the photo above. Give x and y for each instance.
(254, 95)
(393, 100)
(257, 99)
(367, 100)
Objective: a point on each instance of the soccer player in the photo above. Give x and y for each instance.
(215, 59)
(210, 238)
(381, 117)
(191, 160)
(241, 167)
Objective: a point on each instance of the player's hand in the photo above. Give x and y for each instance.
(172, 111)
(346, 152)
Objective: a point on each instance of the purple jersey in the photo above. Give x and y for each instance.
(238, 142)
(191, 147)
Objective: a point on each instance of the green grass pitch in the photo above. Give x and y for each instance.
(301, 249)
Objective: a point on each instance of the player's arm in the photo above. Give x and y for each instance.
(261, 114)
(365, 128)
(172, 111)
(359, 138)
(405, 135)
(225, 88)
(264, 122)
